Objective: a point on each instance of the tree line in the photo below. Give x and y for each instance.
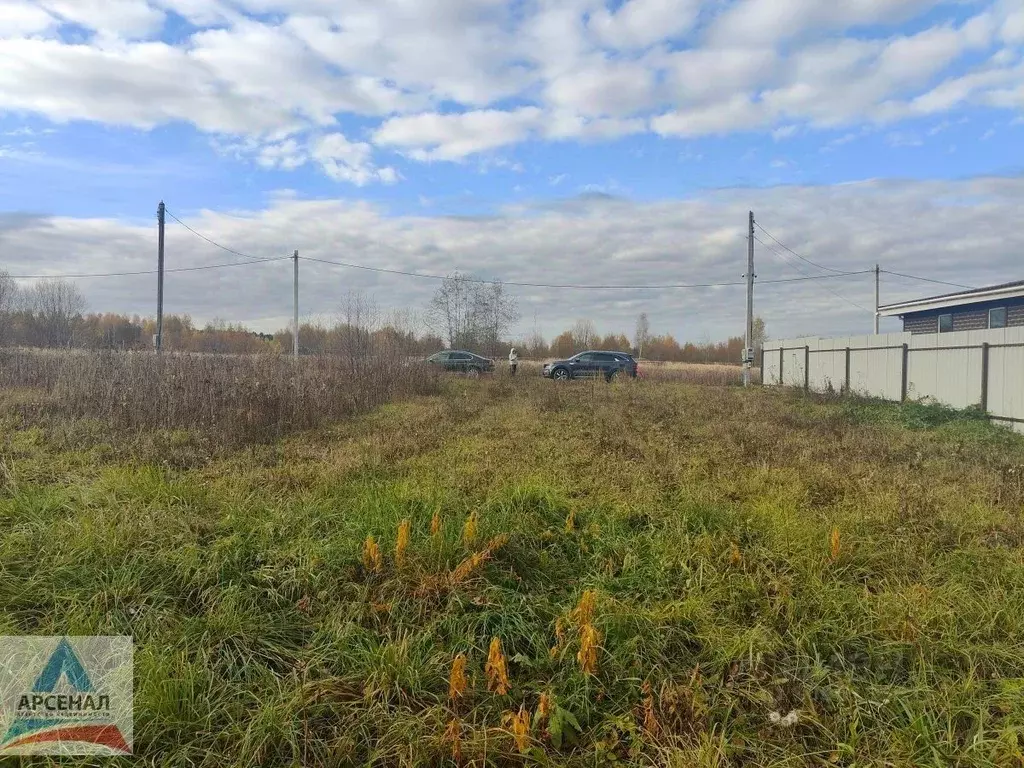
(463, 314)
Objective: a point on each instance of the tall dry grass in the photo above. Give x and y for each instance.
(717, 374)
(238, 398)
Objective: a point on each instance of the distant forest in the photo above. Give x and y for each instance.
(53, 314)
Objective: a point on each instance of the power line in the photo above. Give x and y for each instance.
(802, 258)
(837, 271)
(147, 271)
(929, 280)
(834, 293)
(211, 242)
(426, 276)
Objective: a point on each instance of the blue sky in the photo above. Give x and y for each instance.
(452, 134)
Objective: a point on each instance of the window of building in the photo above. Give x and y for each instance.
(945, 323)
(997, 317)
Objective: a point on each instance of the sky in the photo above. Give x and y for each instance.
(613, 142)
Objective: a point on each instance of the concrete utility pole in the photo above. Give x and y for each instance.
(295, 334)
(748, 352)
(877, 293)
(160, 278)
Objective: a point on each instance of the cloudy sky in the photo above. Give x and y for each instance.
(535, 141)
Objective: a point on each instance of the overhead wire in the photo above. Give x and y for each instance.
(567, 286)
(928, 280)
(802, 258)
(578, 286)
(834, 293)
(211, 242)
(831, 269)
(148, 271)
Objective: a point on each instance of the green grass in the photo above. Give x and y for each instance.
(702, 518)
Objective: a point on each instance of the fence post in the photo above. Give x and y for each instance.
(847, 370)
(807, 369)
(762, 366)
(782, 358)
(984, 377)
(903, 384)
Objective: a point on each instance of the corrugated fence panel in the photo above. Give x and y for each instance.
(950, 376)
(770, 369)
(828, 370)
(944, 367)
(1006, 378)
(793, 366)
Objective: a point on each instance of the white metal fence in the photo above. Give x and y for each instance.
(982, 368)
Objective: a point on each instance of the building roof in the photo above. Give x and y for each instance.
(975, 295)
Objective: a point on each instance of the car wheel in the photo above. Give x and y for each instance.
(560, 374)
(473, 373)
(611, 375)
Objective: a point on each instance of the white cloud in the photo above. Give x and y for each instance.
(1012, 31)
(699, 75)
(126, 18)
(603, 87)
(446, 79)
(948, 230)
(639, 23)
(898, 139)
(566, 125)
(19, 18)
(432, 136)
(761, 21)
(737, 113)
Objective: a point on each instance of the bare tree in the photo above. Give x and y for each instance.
(448, 311)
(760, 336)
(471, 315)
(57, 307)
(584, 334)
(358, 319)
(642, 334)
(8, 304)
(497, 313)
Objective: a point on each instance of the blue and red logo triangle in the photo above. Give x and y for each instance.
(85, 728)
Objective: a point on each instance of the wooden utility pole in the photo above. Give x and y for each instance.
(748, 352)
(877, 294)
(160, 278)
(295, 329)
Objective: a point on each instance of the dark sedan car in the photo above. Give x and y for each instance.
(461, 361)
(590, 364)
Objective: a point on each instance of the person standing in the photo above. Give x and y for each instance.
(513, 361)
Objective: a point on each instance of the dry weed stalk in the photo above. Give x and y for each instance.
(497, 669)
(469, 531)
(453, 736)
(590, 641)
(519, 725)
(457, 679)
(371, 555)
(402, 543)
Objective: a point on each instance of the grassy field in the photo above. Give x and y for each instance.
(522, 573)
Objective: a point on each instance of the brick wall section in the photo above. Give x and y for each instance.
(920, 324)
(964, 318)
(970, 321)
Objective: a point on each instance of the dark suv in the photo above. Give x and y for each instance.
(461, 361)
(591, 364)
